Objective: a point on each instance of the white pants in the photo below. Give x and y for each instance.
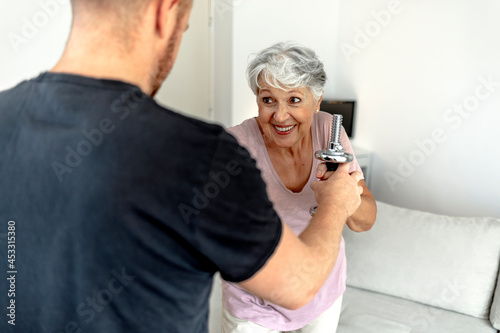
(326, 323)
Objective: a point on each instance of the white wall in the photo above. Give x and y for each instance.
(420, 66)
(188, 86)
(257, 24)
(32, 37)
(223, 61)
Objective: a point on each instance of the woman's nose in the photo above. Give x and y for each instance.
(281, 113)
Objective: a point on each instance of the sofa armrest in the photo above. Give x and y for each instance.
(495, 307)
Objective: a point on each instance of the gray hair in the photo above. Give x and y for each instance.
(287, 65)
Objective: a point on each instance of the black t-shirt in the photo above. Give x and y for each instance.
(120, 211)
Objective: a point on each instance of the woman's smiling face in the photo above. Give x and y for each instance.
(285, 116)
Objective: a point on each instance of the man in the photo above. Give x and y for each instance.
(121, 211)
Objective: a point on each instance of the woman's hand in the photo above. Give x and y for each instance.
(322, 173)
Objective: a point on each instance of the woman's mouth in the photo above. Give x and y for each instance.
(283, 130)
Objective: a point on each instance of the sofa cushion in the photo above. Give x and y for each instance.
(447, 262)
(370, 312)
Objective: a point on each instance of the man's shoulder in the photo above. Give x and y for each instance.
(190, 123)
(183, 130)
(14, 91)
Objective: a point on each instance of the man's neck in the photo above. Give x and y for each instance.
(92, 55)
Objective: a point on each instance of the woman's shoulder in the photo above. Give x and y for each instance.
(244, 132)
(323, 123)
(244, 126)
(323, 116)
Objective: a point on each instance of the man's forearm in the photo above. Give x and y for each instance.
(322, 237)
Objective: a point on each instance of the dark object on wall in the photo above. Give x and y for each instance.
(345, 108)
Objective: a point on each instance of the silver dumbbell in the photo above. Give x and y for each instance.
(335, 154)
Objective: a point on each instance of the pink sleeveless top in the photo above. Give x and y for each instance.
(293, 209)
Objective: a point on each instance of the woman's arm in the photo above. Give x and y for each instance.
(364, 218)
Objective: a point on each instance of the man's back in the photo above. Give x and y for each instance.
(123, 210)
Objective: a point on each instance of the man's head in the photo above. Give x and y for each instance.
(149, 31)
(125, 13)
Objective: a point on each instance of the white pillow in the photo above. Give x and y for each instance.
(447, 262)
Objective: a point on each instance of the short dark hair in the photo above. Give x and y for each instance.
(125, 15)
(131, 6)
(122, 7)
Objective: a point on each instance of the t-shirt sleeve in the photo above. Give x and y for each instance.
(238, 229)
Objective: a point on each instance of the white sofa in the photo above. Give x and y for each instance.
(417, 272)
(421, 272)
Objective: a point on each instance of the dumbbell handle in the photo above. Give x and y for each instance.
(332, 166)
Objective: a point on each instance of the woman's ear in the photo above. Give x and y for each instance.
(318, 105)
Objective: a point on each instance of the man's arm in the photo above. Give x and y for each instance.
(300, 265)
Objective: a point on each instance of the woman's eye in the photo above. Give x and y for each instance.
(267, 100)
(294, 100)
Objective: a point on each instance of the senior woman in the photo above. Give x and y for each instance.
(288, 81)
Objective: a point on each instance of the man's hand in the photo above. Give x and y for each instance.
(338, 188)
(364, 218)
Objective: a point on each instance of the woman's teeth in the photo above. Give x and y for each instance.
(284, 129)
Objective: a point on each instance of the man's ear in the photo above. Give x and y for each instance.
(165, 11)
